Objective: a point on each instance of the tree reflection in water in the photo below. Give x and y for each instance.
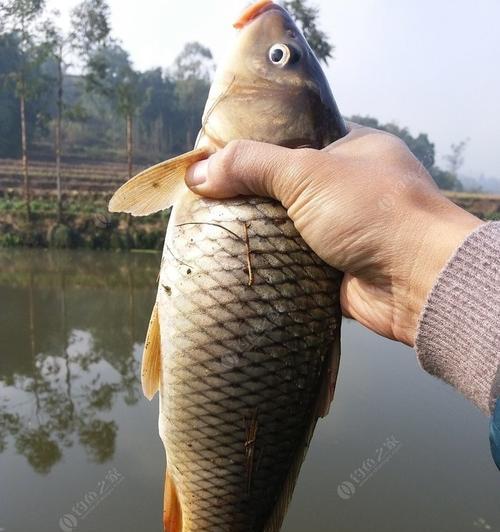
(71, 329)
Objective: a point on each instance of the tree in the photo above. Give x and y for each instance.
(59, 44)
(194, 62)
(22, 17)
(448, 179)
(10, 130)
(108, 68)
(127, 104)
(90, 26)
(90, 36)
(192, 72)
(157, 109)
(38, 109)
(307, 18)
(456, 157)
(90, 31)
(112, 75)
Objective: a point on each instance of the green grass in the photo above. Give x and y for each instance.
(49, 206)
(89, 205)
(10, 240)
(86, 223)
(11, 205)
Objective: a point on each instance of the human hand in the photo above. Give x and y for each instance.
(365, 205)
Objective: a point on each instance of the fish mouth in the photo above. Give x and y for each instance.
(254, 11)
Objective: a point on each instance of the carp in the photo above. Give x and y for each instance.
(244, 339)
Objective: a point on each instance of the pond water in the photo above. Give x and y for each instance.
(79, 449)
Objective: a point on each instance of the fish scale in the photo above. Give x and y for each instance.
(244, 338)
(236, 356)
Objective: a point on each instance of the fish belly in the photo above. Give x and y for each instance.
(248, 316)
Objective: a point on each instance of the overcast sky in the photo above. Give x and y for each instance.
(431, 65)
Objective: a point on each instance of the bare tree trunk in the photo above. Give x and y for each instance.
(129, 145)
(59, 134)
(169, 137)
(24, 148)
(24, 140)
(159, 132)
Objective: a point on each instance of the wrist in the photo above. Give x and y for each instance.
(440, 234)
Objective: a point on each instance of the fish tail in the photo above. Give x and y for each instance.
(172, 512)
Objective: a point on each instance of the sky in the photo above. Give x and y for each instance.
(430, 65)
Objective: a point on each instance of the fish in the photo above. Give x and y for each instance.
(243, 344)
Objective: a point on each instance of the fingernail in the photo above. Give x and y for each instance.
(197, 174)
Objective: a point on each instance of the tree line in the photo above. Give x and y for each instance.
(109, 107)
(40, 98)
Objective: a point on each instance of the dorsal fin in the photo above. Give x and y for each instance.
(156, 188)
(151, 357)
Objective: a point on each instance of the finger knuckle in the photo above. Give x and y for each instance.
(300, 169)
(308, 160)
(303, 159)
(219, 165)
(389, 142)
(229, 156)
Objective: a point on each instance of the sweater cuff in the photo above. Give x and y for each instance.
(458, 335)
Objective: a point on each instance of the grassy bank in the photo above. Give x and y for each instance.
(86, 223)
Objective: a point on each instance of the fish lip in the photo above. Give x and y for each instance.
(264, 9)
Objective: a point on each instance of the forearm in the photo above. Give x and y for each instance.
(458, 336)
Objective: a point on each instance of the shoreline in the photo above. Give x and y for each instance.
(87, 224)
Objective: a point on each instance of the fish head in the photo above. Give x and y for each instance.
(271, 87)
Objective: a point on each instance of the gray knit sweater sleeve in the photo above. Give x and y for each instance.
(458, 337)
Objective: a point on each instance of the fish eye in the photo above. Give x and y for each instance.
(280, 54)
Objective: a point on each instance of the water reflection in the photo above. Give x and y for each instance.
(70, 329)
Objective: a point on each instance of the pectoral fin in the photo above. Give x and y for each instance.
(155, 189)
(151, 358)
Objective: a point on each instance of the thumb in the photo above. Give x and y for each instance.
(243, 167)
